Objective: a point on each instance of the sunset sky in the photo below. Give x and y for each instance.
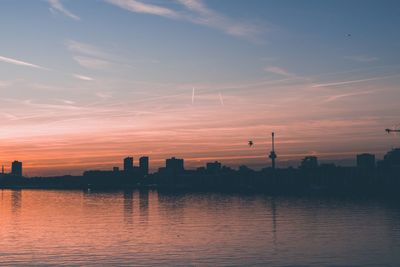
(86, 83)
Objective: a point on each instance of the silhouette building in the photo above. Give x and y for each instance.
(128, 164)
(16, 168)
(366, 161)
(309, 162)
(144, 165)
(392, 158)
(174, 165)
(213, 167)
(115, 169)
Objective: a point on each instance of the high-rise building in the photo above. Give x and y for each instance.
(16, 168)
(174, 165)
(128, 164)
(366, 161)
(144, 165)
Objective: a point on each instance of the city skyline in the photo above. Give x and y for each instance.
(87, 83)
(369, 177)
(129, 166)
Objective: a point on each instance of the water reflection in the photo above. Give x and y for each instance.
(128, 206)
(16, 196)
(150, 228)
(144, 205)
(274, 223)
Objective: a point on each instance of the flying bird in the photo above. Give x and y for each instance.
(251, 143)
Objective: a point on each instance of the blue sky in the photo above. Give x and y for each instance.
(126, 77)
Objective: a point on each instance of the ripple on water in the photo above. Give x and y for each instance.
(147, 228)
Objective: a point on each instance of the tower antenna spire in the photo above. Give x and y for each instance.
(272, 154)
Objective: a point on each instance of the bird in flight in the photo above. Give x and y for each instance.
(251, 143)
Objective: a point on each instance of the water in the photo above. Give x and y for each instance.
(150, 228)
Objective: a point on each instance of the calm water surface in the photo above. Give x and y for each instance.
(149, 228)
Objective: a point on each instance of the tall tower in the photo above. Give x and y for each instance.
(272, 154)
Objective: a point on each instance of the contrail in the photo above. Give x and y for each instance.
(193, 96)
(221, 99)
(336, 97)
(20, 63)
(31, 65)
(82, 77)
(353, 81)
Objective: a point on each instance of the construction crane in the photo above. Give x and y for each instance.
(272, 154)
(392, 130)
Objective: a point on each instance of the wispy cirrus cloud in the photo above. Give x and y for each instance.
(139, 7)
(208, 17)
(89, 56)
(82, 77)
(5, 83)
(92, 63)
(196, 12)
(20, 63)
(104, 95)
(279, 71)
(55, 5)
(85, 49)
(286, 74)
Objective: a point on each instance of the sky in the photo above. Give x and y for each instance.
(86, 83)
